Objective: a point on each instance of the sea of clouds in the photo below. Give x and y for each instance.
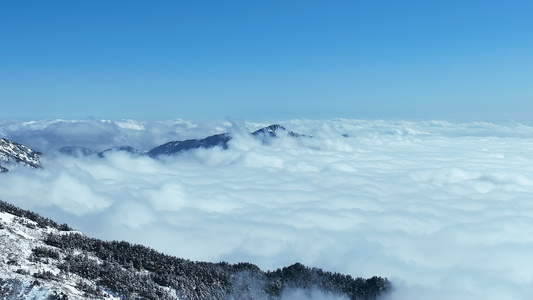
(444, 210)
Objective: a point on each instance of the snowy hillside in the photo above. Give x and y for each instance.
(29, 268)
(11, 152)
(43, 260)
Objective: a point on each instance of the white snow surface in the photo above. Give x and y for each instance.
(14, 152)
(18, 236)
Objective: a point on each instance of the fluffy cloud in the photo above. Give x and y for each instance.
(442, 209)
(310, 295)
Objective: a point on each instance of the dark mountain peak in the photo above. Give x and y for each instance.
(77, 151)
(220, 140)
(180, 146)
(265, 134)
(124, 148)
(272, 129)
(11, 152)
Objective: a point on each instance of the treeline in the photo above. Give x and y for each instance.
(139, 272)
(41, 221)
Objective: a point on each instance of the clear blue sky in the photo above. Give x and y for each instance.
(266, 59)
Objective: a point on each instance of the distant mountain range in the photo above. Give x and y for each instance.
(78, 151)
(12, 152)
(265, 135)
(40, 259)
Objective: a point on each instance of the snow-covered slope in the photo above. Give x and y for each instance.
(11, 152)
(40, 259)
(29, 267)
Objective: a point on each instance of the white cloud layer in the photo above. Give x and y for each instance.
(444, 210)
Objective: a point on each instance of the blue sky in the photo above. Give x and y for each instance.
(265, 60)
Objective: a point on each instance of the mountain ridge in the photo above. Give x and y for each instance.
(265, 135)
